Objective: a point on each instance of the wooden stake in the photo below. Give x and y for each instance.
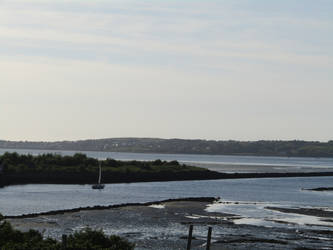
(209, 236)
(189, 239)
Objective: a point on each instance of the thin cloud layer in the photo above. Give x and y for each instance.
(215, 69)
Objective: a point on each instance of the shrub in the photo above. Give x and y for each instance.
(94, 240)
(87, 239)
(11, 239)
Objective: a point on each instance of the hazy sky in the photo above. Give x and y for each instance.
(248, 70)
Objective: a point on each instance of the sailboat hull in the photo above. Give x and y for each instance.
(98, 186)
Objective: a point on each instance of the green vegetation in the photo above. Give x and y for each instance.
(89, 239)
(80, 169)
(180, 146)
(52, 163)
(11, 239)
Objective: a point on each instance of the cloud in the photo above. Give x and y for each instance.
(113, 33)
(163, 64)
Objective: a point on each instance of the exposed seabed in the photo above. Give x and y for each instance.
(164, 225)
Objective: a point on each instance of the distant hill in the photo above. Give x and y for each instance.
(181, 146)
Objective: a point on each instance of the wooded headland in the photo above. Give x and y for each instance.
(80, 169)
(293, 148)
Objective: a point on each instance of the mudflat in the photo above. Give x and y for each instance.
(164, 225)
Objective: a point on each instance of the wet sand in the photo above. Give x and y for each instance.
(164, 225)
(260, 168)
(306, 211)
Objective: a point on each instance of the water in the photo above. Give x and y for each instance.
(251, 195)
(221, 163)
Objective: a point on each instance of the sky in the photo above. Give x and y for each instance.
(242, 70)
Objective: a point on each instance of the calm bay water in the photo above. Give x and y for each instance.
(248, 197)
(252, 195)
(22, 199)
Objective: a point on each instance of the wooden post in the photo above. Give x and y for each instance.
(209, 236)
(189, 239)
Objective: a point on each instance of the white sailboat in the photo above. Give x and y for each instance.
(99, 185)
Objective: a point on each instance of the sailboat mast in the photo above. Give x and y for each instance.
(100, 173)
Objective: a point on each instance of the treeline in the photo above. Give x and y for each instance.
(14, 162)
(180, 146)
(80, 169)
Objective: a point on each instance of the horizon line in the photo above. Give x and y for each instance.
(160, 138)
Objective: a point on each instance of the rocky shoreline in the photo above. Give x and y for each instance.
(79, 209)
